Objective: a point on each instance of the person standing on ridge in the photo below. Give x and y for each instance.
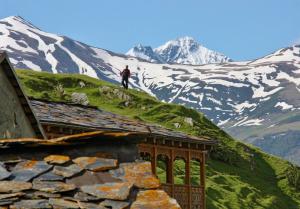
(125, 76)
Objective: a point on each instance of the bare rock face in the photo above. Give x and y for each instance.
(138, 173)
(95, 164)
(113, 191)
(80, 98)
(154, 199)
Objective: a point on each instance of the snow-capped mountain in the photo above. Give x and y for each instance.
(146, 53)
(185, 50)
(257, 101)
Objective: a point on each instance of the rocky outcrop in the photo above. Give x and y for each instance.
(80, 98)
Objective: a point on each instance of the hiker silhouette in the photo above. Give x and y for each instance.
(125, 76)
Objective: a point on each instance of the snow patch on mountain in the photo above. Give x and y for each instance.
(146, 53)
(284, 105)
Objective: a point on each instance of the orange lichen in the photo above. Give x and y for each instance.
(58, 159)
(140, 174)
(154, 199)
(115, 186)
(84, 161)
(30, 164)
(91, 160)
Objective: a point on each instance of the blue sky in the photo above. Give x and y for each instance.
(241, 29)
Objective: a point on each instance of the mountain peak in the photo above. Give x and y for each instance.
(186, 39)
(13, 19)
(17, 20)
(144, 52)
(182, 50)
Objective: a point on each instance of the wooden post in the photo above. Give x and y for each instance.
(202, 179)
(172, 171)
(188, 178)
(154, 160)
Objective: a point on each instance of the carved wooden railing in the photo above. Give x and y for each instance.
(187, 196)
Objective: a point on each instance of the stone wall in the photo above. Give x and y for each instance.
(60, 181)
(13, 121)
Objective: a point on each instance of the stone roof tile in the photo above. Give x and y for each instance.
(4, 174)
(57, 159)
(63, 204)
(138, 173)
(50, 176)
(36, 204)
(27, 170)
(114, 191)
(67, 171)
(53, 186)
(96, 163)
(14, 186)
(154, 199)
(115, 204)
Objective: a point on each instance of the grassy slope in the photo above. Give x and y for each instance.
(253, 179)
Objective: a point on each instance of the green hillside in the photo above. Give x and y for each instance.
(238, 175)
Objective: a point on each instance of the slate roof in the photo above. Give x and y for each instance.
(10, 73)
(97, 119)
(57, 181)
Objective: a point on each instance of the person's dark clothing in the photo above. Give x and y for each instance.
(125, 76)
(125, 82)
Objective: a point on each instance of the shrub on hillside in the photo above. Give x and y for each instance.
(225, 154)
(293, 176)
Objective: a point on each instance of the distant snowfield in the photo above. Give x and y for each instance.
(228, 93)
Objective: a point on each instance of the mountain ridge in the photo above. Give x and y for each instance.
(257, 101)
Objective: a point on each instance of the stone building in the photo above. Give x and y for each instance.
(16, 117)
